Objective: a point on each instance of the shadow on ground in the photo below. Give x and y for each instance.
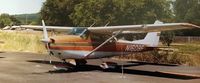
(147, 63)
(2, 57)
(88, 67)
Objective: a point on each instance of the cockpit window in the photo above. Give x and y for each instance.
(76, 31)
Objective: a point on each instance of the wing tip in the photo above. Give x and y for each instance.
(190, 25)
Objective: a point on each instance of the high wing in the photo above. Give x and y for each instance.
(124, 28)
(56, 28)
(143, 28)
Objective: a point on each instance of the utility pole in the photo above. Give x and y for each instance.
(26, 18)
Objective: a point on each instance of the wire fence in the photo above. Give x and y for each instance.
(186, 39)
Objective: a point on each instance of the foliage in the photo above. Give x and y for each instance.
(101, 12)
(188, 11)
(56, 12)
(7, 20)
(119, 12)
(167, 37)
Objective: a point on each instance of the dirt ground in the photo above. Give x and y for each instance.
(32, 68)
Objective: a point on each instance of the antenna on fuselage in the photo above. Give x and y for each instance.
(107, 24)
(114, 33)
(92, 24)
(85, 30)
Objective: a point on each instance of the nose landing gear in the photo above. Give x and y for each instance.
(70, 65)
(108, 65)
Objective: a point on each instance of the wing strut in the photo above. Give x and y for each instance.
(120, 31)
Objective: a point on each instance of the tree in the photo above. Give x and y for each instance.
(120, 12)
(56, 12)
(101, 12)
(167, 37)
(14, 20)
(6, 19)
(188, 11)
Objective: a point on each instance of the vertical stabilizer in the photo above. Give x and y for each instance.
(151, 39)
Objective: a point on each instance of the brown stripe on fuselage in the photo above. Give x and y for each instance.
(69, 38)
(76, 43)
(111, 47)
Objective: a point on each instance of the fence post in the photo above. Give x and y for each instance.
(189, 39)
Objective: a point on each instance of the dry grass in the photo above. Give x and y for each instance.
(185, 54)
(21, 41)
(192, 50)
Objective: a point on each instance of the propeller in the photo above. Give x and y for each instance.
(46, 40)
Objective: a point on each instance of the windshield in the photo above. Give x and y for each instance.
(76, 31)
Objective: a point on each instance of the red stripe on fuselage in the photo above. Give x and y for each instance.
(115, 47)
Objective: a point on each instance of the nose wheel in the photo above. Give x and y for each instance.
(67, 65)
(108, 65)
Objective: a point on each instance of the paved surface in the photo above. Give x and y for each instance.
(31, 68)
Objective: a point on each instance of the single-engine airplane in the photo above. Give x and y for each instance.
(83, 42)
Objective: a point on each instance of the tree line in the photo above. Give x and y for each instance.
(83, 13)
(117, 12)
(8, 20)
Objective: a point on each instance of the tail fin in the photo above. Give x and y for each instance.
(151, 39)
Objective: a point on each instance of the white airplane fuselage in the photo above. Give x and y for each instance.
(75, 47)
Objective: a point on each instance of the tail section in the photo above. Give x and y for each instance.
(151, 39)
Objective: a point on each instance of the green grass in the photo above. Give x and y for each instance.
(21, 42)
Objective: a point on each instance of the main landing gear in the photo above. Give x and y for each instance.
(70, 64)
(73, 64)
(108, 65)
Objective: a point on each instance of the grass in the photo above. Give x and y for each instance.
(21, 41)
(183, 54)
(191, 50)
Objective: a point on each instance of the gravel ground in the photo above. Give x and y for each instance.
(32, 68)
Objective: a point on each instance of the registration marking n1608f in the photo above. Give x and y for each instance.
(132, 48)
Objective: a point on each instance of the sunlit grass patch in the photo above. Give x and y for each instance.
(21, 41)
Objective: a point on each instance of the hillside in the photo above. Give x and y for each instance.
(28, 18)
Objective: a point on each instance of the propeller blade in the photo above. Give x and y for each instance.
(46, 40)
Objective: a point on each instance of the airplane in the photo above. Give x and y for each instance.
(84, 43)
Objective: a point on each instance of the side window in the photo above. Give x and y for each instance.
(99, 37)
(77, 31)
